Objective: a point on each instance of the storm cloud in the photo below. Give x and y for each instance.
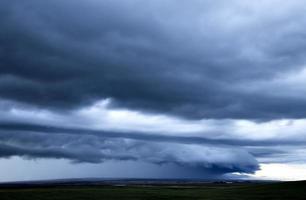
(217, 86)
(186, 59)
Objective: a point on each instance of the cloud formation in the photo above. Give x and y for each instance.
(193, 62)
(209, 86)
(97, 134)
(95, 149)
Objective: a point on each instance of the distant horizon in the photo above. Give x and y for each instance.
(105, 179)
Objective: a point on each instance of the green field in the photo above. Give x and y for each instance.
(279, 191)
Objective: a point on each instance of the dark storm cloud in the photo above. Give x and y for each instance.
(216, 156)
(186, 59)
(96, 149)
(152, 137)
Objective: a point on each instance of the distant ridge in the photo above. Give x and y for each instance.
(121, 182)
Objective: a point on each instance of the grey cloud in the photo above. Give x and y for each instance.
(50, 129)
(85, 145)
(176, 58)
(93, 149)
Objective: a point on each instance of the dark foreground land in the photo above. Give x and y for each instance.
(211, 191)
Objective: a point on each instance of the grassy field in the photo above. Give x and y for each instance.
(279, 191)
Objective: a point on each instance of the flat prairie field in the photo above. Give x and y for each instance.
(258, 191)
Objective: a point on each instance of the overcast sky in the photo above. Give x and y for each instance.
(152, 89)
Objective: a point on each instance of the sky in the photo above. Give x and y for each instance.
(152, 89)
